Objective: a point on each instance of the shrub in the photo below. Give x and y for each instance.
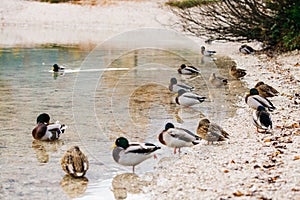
(276, 23)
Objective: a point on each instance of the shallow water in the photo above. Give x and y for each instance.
(118, 89)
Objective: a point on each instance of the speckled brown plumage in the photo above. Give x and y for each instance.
(237, 72)
(74, 162)
(266, 90)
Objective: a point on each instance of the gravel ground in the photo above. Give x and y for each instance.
(250, 164)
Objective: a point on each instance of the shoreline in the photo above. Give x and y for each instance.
(248, 165)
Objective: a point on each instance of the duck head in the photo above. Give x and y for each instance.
(43, 118)
(259, 84)
(204, 122)
(182, 66)
(253, 91)
(122, 142)
(168, 126)
(202, 48)
(173, 81)
(55, 68)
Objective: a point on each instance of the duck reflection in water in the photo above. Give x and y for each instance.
(74, 187)
(42, 149)
(123, 184)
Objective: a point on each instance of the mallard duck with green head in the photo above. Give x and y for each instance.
(57, 68)
(211, 132)
(177, 138)
(188, 70)
(132, 154)
(253, 99)
(44, 130)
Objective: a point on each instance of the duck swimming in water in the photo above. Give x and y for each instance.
(176, 86)
(187, 99)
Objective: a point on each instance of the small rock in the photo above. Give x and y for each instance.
(238, 194)
(296, 158)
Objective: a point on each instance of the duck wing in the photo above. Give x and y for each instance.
(218, 129)
(194, 96)
(264, 102)
(183, 134)
(186, 87)
(192, 69)
(141, 148)
(265, 120)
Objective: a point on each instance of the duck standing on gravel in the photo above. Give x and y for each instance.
(266, 90)
(177, 138)
(74, 162)
(188, 70)
(262, 119)
(211, 132)
(254, 100)
(132, 154)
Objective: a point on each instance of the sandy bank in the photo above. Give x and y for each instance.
(29, 23)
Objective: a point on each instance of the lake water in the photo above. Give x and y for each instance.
(120, 88)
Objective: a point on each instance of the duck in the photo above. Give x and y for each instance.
(254, 100)
(56, 68)
(175, 86)
(262, 119)
(74, 162)
(207, 52)
(237, 72)
(43, 118)
(132, 154)
(265, 90)
(48, 132)
(245, 49)
(188, 70)
(187, 99)
(217, 80)
(211, 132)
(176, 137)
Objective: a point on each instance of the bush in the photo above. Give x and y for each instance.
(276, 23)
